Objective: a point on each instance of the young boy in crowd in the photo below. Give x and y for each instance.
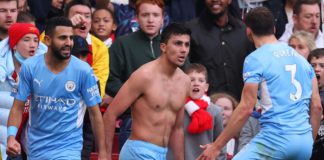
(104, 25)
(203, 119)
(316, 59)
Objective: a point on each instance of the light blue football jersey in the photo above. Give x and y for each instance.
(54, 130)
(285, 87)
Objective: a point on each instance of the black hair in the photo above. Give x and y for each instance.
(73, 3)
(109, 11)
(261, 21)
(54, 22)
(174, 29)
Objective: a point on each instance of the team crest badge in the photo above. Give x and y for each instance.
(70, 86)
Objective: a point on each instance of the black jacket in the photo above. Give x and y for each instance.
(222, 50)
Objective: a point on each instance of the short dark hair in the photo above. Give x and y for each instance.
(25, 17)
(174, 29)
(54, 22)
(196, 67)
(111, 12)
(317, 53)
(261, 21)
(299, 3)
(73, 3)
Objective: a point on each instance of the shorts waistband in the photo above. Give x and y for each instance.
(151, 146)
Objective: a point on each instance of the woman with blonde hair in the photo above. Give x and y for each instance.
(227, 103)
(303, 42)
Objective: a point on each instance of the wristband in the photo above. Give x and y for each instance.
(12, 131)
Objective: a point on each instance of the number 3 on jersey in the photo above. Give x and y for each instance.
(292, 69)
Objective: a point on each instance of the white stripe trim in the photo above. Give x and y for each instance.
(88, 38)
(191, 107)
(206, 98)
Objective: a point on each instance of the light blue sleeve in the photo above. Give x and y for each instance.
(252, 70)
(312, 72)
(25, 83)
(90, 90)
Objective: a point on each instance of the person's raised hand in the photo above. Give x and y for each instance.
(78, 21)
(210, 152)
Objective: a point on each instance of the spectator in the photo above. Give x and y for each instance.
(8, 16)
(228, 104)
(79, 12)
(215, 44)
(43, 10)
(23, 6)
(306, 16)
(281, 10)
(181, 10)
(249, 130)
(130, 52)
(126, 18)
(251, 127)
(200, 110)
(316, 59)
(303, 42)
(25, 17)
(21, 44)
(104, 25)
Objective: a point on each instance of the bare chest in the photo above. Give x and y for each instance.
(166, 95)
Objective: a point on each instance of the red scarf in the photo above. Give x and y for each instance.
(201, 120)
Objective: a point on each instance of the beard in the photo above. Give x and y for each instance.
(58, 55)
(216, 16)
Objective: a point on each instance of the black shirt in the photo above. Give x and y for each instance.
(221, 50)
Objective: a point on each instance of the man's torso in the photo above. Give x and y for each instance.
(155, 111)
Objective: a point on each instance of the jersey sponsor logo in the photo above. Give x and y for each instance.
(70, 86)
(52, 108)
(38, 82)
(54, 101)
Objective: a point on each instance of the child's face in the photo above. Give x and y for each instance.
(318, 65)
(199, 86)
(102, 24)
(227, 108)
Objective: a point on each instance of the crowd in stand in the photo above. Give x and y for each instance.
(167, 74)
